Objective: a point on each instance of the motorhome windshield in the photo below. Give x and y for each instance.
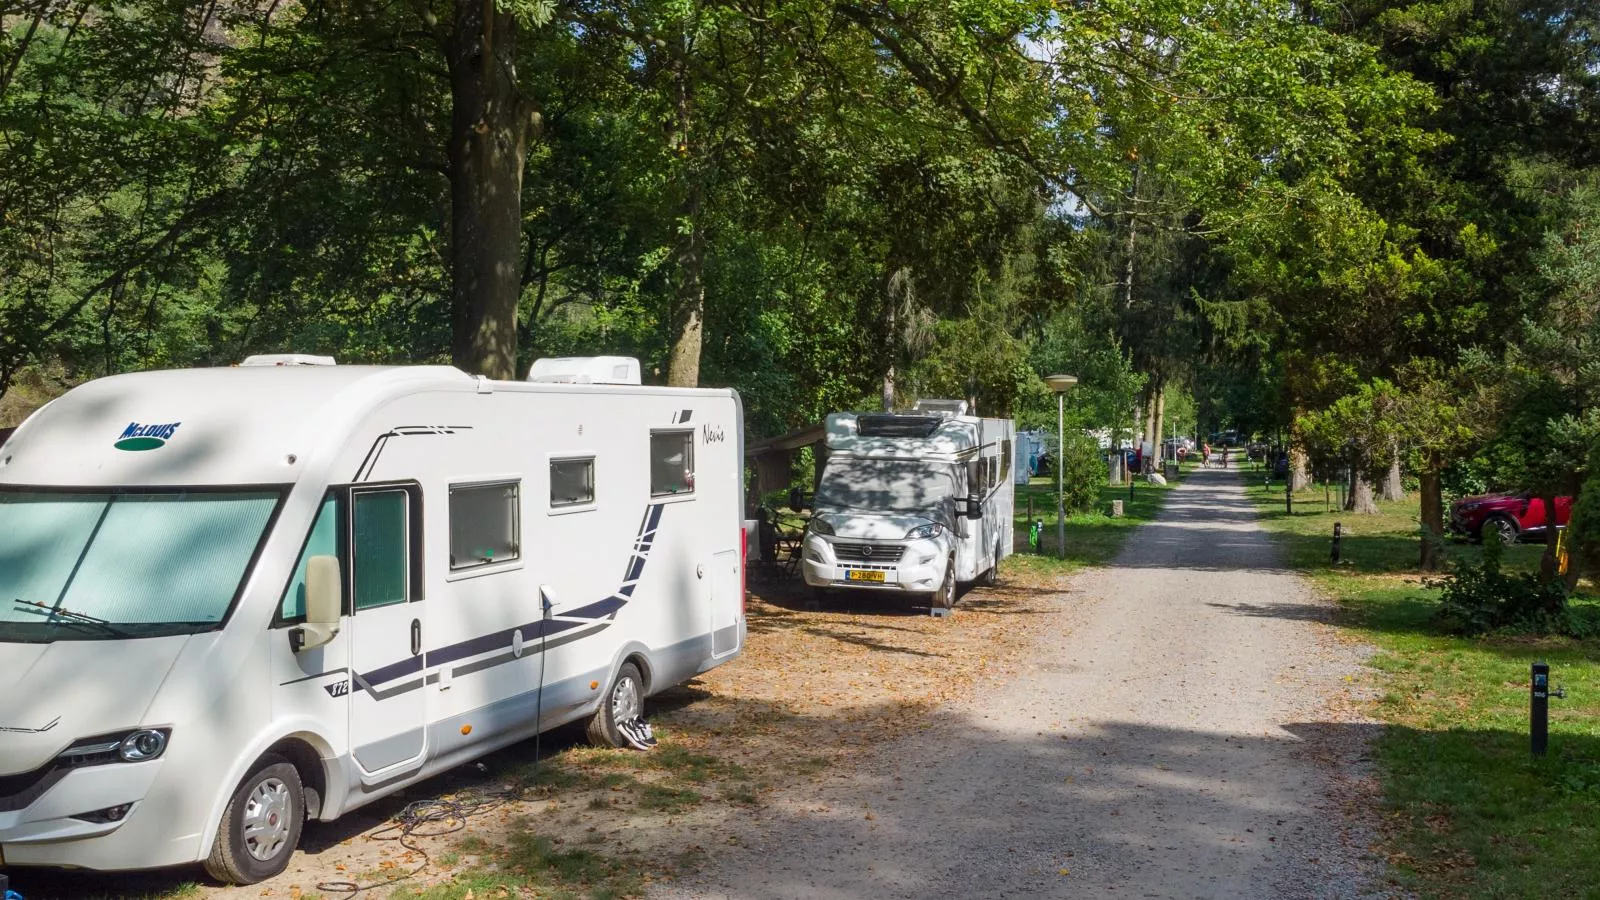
(102, 566)
(888, 485)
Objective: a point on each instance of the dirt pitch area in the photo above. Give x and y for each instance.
(813, 688)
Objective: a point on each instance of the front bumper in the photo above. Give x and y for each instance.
(55, 801)
(47, 830)
(912, 567)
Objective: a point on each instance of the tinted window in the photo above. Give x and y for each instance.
(671, 463)
(324, 541)
(483, 524)
(379, 541)
(571, 482)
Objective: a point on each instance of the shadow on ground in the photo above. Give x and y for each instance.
(1082, 800)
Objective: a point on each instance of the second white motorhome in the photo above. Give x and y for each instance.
(232, 600)
(912, 502)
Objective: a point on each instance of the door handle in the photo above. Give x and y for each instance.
(416, 636)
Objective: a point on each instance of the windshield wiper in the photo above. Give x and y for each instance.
(68, 617)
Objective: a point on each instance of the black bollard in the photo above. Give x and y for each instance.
(1539, 709)
(1338, 537)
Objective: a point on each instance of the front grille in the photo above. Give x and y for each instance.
(882, 554)
(18, 791)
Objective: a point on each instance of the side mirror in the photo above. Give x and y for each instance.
(324, 604)
(974, 506)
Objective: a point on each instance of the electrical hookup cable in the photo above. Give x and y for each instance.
(425, 818)
(446, 815)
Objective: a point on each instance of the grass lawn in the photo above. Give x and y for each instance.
(1471, 812)
(1093, 536)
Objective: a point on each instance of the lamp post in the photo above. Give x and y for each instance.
(1061, 384)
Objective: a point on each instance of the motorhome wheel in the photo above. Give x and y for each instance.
(260, 829)
(945, 598)
(624, 701)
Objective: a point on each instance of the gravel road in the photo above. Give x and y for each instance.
(1184, 732)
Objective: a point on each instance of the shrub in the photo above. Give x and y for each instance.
(1084, 472)
(1481, 597)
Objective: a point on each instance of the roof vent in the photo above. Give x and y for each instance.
(288, 359)
(947, 407)
(897, 425)
(586, 370)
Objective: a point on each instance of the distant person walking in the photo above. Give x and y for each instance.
(1205, 455)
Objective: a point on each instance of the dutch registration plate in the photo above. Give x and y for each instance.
(863, 575)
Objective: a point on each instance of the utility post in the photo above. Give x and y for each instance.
(1061, 384)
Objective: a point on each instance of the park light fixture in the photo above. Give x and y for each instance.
(1061, 384)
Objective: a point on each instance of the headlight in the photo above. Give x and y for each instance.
(931, 530)
(137, 746)
(142, 745)
(821, 526)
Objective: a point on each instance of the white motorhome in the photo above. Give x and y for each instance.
(235, 599)
(912, 502)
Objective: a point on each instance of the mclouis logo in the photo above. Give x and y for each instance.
(146, 437)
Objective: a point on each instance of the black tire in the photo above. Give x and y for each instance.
(1501, 528)
(272, 798)
(617, 706)
(945, 596)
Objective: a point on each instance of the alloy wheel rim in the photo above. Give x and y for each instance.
(624, 700)
(267, 817)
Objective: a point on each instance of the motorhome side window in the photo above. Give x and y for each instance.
(381, 543)
(671, 463)
(484, 525)
(571, 482)
(324, 541)
(1005, 461)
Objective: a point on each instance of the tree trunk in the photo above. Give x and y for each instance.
(1150, 418)
(683, 369)
(1360, 500)
(1161, 418)
(1549, 565)
(1393, 488)
(1432, 512)
(891, 332)
(1299, 474)
(490, 127)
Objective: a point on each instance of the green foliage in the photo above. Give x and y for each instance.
(1479, 597)
(1083, 472)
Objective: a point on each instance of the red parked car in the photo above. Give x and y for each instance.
(1505, 516)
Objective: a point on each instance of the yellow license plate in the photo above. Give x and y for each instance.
(863, 575)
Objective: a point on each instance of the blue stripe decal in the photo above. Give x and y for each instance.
(408, 666)
(530, 632)
(533, 631)
(599, 610)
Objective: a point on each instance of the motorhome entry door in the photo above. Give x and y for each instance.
(388, 703)
(725, 602)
